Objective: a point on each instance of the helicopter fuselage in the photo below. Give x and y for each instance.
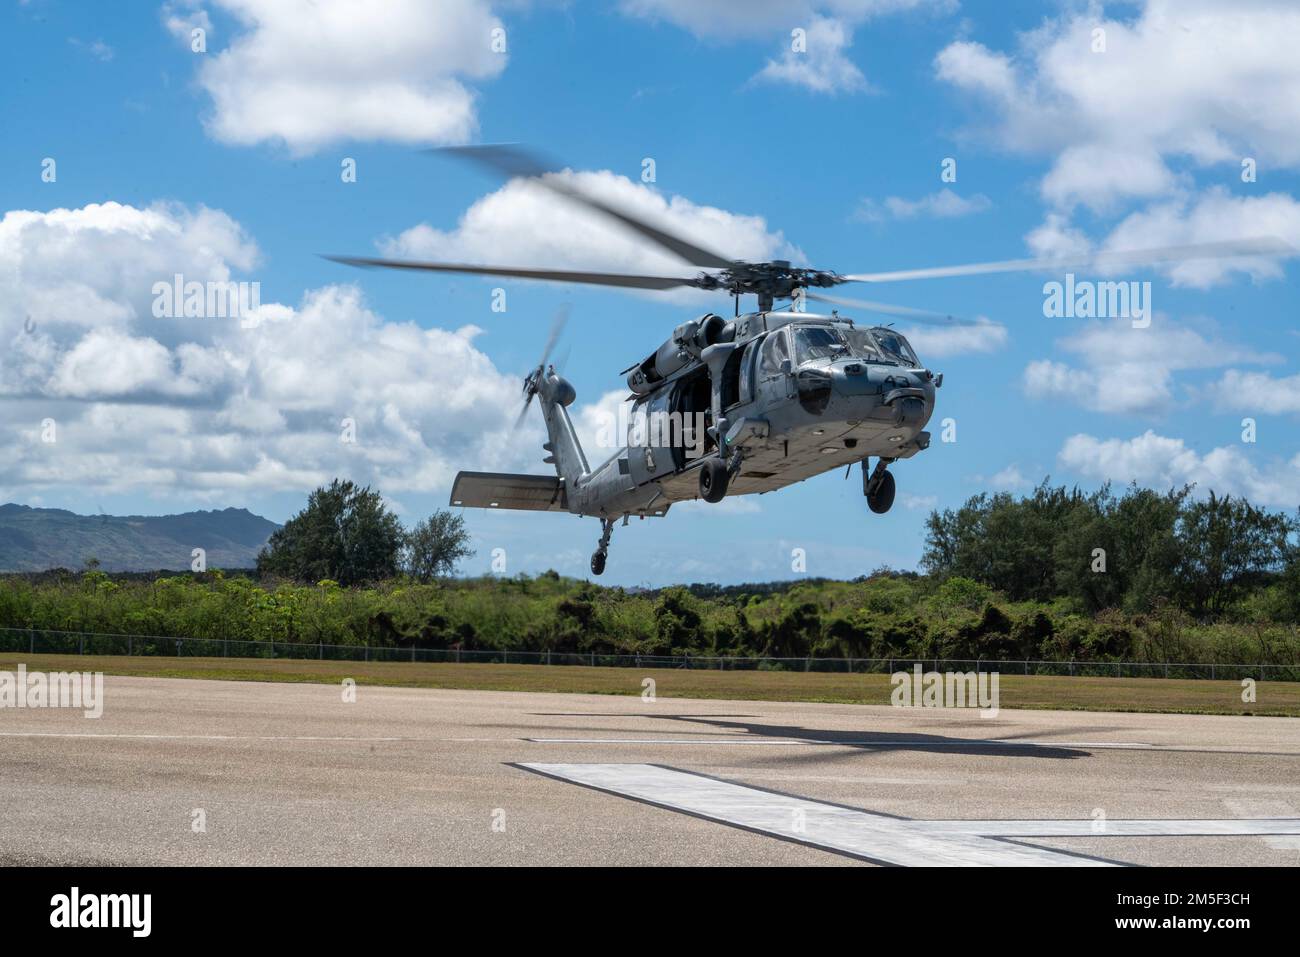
(787, 412)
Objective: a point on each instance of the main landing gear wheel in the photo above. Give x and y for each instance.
(880, 498)
(598, 563)
(714, 476)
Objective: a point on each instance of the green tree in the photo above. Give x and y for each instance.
(795, 633)
(1145, 523)
(1136, 532)
(345, 533)
(1004, 542)
(1227, 547)
(677, 622)
(435, 545)
(959, 593)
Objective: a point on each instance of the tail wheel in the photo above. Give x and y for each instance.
(880, 500)
(713, 480)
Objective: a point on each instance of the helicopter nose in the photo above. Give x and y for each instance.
(852, 378)
(884, 394)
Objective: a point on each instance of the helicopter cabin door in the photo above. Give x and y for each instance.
(649, 437)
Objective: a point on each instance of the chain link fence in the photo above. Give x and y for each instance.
(41, 641)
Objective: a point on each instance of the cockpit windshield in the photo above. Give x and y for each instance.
(818, 342)
(863, 346)
(894, 346)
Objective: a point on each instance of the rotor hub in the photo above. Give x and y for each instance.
(768, 280)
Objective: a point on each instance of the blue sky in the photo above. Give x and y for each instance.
(226, 164)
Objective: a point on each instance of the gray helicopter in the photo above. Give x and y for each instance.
(743, 405)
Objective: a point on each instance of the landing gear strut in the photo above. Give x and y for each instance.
(878, 486)
(602, 550)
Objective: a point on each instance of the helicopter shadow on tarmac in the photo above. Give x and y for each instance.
(859, 741)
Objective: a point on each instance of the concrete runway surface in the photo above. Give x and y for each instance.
(293, 774)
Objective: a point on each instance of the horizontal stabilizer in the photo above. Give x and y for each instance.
(534, 493)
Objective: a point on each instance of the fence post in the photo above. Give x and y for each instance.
(130, 643)
(320, 651)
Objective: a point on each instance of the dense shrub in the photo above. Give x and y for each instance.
(1251, 619)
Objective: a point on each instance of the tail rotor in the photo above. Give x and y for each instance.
(533, 380)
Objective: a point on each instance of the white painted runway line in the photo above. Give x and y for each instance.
(1155, 827)
(1256, 807)
(879, 838)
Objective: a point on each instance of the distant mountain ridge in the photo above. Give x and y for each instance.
(36, 539)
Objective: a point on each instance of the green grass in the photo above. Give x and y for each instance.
(1015, 691)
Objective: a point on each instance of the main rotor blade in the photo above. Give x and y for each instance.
(513, 161)
(920, 316)
(555, 275)
(1262, 246)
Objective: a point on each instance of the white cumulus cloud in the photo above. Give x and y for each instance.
(821, 66)
(523, 224)
(203, 408)
(944, 204)
(937, 342)
(1213, 216)
(1256, 392)
(308, 73)
(1163, 462)
(1131, 371)
(1195, 81)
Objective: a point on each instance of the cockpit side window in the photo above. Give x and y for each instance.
(747, 373)
(775, 351)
